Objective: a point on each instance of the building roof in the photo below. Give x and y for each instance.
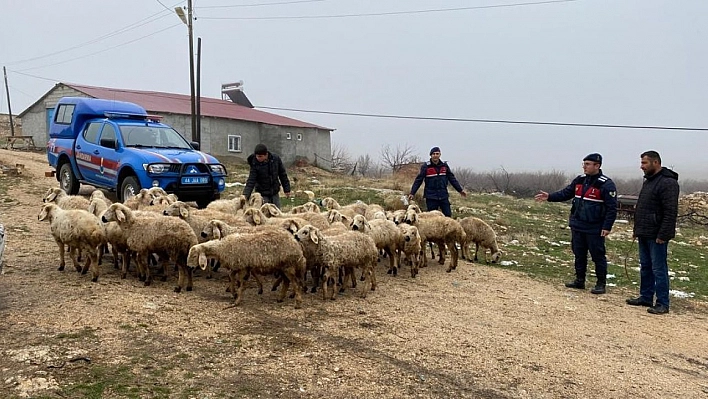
(159, 102)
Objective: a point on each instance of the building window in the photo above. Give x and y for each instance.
(234, 143)
(299, 137)
(288, 136)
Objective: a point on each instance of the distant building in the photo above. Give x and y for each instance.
(5, 125)
(229, 130)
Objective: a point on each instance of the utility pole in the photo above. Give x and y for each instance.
(9, 107)
(199, 91)
(195, 133)
(187, 20)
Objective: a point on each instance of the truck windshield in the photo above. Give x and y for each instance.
(152, 136)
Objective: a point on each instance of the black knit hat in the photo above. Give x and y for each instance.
(594, 157)
(261, 149)
(434, 149)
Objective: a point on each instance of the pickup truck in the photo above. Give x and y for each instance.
(117, 146)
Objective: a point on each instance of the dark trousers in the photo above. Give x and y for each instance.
(442, 204)
(274, 199)
(654, 271)
(594, 243)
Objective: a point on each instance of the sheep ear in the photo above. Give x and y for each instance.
(120, 216)
(216, 232)
(367, 225)
(183, 212)
(314, 236)
(203, 260)
(257, 218)
(51, 196)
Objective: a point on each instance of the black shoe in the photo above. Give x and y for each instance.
(598, 289)
(658, 309)
(638, 301)
(576, 284)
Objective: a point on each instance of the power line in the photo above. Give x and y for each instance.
(374, 14)
(263, 4)
(142, 22)
(101, 51)
(432, 118)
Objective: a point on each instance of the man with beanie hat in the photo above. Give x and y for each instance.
(266, 176)
(437, 175)
(592, 214)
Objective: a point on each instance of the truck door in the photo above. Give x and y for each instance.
(108, 155)
(86, 151)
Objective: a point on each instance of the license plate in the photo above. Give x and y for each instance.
(195, 180)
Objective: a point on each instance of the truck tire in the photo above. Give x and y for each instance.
(67, 180)
(129, 188)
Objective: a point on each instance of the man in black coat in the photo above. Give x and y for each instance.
(266, 176)
(654, 225)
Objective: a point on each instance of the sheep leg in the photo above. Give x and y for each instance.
(476, 249)
(144, 263)
(414, 265)
(74, 254)
(288, 276)
(114, 251)
(242, 285)
(95, 262)
(453, 257)
(432, 250)
(315, 272)
(62, 262)
(442, 252)
(292, 275)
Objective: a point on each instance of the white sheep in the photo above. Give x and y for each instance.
(340, 254)
(441, 230)
(231, 206)
(385, 234)
(410, 246)
(264, 252)
(255, 200)
(64, 200)
(78, 229)
(146, 234)
(481, 234)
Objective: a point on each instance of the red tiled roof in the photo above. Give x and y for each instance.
(155, 101)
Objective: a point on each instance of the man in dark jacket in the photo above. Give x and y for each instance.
(266, 175)
(592, 215)
(654, 225)
(437, 175)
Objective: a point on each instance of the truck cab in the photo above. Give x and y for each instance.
(117, 146)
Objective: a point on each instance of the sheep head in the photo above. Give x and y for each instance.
(309, 232)
(360, 224)
(116, 213)
(270, 210)
(53, 194)
(47, 212)
(197, 257)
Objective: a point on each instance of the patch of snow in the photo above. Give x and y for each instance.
(681, 294)
(611, 276)
(684, 278)
(509, 263)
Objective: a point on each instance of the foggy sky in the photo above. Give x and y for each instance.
(622, 62)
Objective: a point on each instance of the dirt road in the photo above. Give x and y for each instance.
(478, 332)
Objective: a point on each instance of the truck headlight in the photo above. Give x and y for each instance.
(158, 168)
(218, 169)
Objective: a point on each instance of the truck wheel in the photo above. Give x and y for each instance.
(129, 188)
(67, 181)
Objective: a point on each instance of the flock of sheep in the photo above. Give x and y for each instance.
(336, 244)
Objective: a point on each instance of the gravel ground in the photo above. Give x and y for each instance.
(478, 332)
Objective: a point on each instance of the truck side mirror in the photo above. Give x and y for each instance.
(195, 145)
(109, 143)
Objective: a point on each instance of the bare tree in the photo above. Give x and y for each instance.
(364, 165)
(501, 180)
(341, 160)
(395, 159)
